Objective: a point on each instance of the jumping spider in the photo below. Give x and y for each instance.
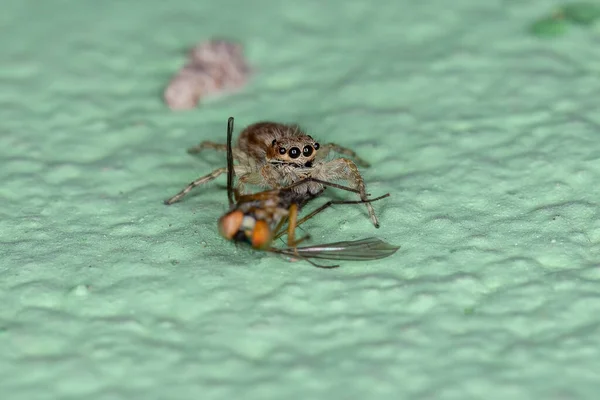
(275, 155)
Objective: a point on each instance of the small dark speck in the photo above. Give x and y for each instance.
(174, 262)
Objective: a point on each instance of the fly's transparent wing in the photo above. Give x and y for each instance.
(353, 250)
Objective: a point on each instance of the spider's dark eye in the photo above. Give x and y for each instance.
(307, 151)
(274, 142)
(316, 146)
(282, 150)
(294, 152)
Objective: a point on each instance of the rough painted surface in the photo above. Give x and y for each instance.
(487, 138)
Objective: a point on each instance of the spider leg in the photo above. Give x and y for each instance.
(326, 148)
(207, 145)
(200, 181)
(343, 168)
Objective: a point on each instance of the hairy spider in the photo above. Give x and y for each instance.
(275, 155)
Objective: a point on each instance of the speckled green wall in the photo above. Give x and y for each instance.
(486, 137)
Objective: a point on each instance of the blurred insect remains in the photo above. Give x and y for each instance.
(259, 219)
(274, 155)
(214, 66)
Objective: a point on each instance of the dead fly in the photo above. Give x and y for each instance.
(259, 219)
(275, 156)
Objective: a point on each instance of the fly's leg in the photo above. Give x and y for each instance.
(200, 181)
(332, 202)
(291, 234)
(279, 232)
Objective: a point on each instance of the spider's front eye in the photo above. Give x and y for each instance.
(307, 151)
(316, 146)
(282, 150)
(294, 152)
(274, 142)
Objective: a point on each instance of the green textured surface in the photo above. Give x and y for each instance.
(487, 138)
(549, 27)
(583, 13)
